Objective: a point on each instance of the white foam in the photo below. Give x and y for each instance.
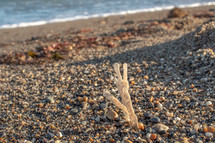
(36, 23)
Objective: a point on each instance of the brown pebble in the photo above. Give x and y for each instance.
(91, 139)
(162, 98)
(132, 82)
(141, 126)
(153, 89)
(146, 77)
(209, 129)
(153, 137)
(192, 86)
(127, 141)
(112, 115)
(85, 99)
(79, 99)
(111, 140)
(139, 71)
(195, 90)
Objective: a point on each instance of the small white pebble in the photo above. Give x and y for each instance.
(57, 141)
(196, 127)
(25, 141)
(59, 134)
(208, 103)
(160, 106)
(148, 135)
(208, 134)
(161, 127)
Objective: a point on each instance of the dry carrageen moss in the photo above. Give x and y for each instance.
(125, 105)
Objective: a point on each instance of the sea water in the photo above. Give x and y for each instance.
(21, 13)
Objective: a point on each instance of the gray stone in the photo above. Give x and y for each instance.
(155, 119)
(74, 110)
(102, 106)
(97, 119)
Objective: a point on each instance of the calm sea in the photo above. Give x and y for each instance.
(20, 13)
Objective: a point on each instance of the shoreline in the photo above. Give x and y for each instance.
(82, 17)
(23, 33)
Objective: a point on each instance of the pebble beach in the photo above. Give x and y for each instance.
(52, 79)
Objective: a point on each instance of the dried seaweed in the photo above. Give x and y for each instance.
(126, 104)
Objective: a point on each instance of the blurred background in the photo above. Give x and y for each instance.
(20, 13)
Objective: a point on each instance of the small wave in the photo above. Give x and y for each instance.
(36, 23)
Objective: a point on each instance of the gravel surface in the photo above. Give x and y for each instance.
(171, 71)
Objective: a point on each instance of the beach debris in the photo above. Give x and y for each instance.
(128, 22)
(206, 14)
(177, 13)
(56, 56)
(31, 54)
(125, 105)
(85, 30)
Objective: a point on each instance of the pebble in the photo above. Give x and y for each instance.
(57, 141)
(112, 115)
(97, 119)
(208, 134)
(161, 127)
(50, 134)
(197, 127)
(193, 104)
(140, 140)
(209, 129)
(141, 126)
(85, 105)
(25, 141)
(25, 104)
(75, 110)
(102, 106)
(50, 99)
(147, 115)
(59, 134)
(153, 137)
(169, 114)
(208, 103)
(148, 129)
(148, 135)
(160, 106)
(178, 119)
(155, 119)
(127, 141)
(84, 123)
